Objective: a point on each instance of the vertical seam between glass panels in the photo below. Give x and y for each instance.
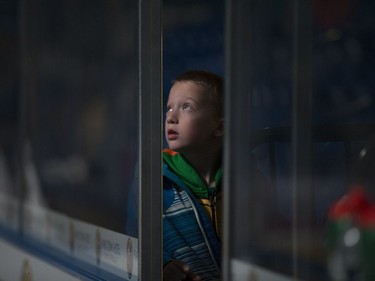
(237, 93)
(150, 140)
(227, 157)
(301, 123)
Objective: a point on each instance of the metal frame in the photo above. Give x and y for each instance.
(302, 193)
(237, 71)
(150, 140)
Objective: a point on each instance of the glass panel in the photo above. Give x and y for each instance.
(9, 115)
(72, 83)
(82, 107)
(343, 93)
(301, 111)
(259, 178)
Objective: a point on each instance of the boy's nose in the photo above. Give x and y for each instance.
(172, 117)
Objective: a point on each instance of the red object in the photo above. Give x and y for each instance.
(352, 204)
(366, 218)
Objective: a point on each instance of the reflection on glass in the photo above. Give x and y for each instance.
(9, 116)
(274, 237)
(82, 106)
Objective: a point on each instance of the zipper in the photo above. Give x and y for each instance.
(212, 197)
(204, 235)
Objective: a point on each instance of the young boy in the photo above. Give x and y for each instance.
(192, 178)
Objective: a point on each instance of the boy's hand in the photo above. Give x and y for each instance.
(176, 270)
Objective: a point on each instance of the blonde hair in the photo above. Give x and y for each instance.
(212, 83)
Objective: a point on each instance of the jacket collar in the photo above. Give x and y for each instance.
(179, 165)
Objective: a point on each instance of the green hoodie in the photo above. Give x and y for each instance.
(188, 174)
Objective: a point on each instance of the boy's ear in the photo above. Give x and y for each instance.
(220, 128)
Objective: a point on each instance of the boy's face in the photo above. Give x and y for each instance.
(191, 123)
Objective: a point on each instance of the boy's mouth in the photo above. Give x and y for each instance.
(171, 134)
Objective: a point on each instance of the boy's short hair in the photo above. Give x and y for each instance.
(211, 82)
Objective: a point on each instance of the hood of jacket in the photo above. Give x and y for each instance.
(179, 165)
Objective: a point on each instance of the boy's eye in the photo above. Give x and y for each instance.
(169, 108)
(186, 106)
